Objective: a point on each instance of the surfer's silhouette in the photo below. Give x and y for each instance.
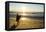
(17, 19)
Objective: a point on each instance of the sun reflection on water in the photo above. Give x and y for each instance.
(23, 18)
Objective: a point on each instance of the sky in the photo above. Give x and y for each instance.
(21, 7)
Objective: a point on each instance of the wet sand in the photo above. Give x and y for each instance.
(25, 22)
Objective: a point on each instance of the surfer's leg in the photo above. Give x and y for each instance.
(17, 24)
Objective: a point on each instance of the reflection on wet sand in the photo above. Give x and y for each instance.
(25, 22)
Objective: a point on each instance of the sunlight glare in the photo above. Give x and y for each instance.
(23, 18)
(24, 10)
